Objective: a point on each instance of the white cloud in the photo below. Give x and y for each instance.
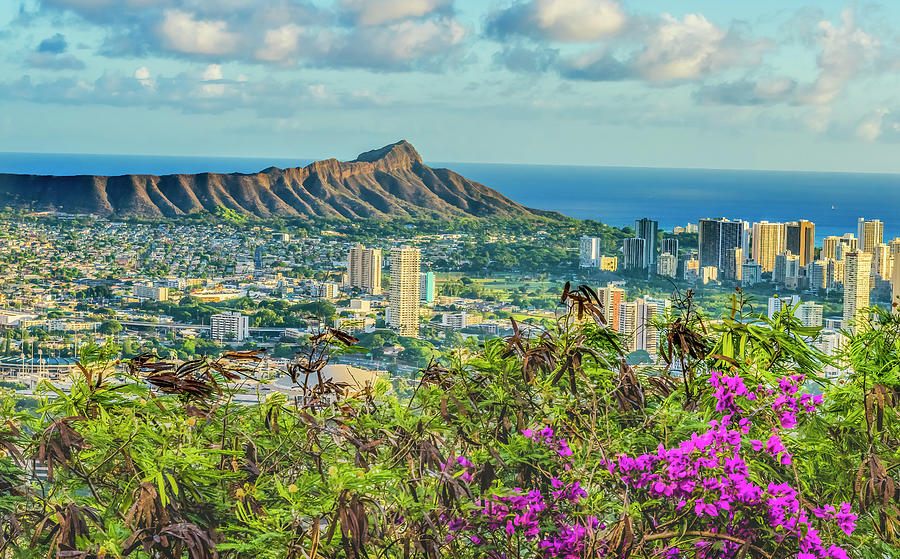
(572, 21)
(182, 32)
(683, 49)
(317, 91)
(280, 45)
(402, 45)
(846, 51)
(579, 20)
(871, 127)
(410, 39)
(382, 35)
(213, 74)
(378, 12)
(142, 75)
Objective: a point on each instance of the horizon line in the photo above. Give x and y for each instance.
(589, 165)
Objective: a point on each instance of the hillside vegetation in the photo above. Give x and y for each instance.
(543, 445)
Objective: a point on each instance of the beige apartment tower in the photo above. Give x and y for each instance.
(405, 285)
(364, 269)
(829, 244)
(857, 284)
(611, 297)
(768, 242)
(882, 261)
(869, 233)
(637, 322)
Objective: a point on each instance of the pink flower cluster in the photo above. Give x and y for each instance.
(726, 389)
(546, 437)
(843, 516)
(708, 476)
(467, 466)
(531, 514)
(523, 513)
(786, 401)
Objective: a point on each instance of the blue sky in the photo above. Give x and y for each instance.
(757, 85)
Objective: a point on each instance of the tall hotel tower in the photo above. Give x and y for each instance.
(404, 304)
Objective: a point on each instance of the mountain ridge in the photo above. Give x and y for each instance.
(387, 182)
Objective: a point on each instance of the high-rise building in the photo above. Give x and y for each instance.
(589, 251)
(894, 245)
(667, 265)
(777, 303)
(845, 244)
(857, 284)
(404, 303)
(426, 287)
(732, 267)
(768, 241)
(839, 268)
(895, 285)
(717, 237)
(647, 229)
(821, 275)
(229, 325)
(610, 298)
(328, 290)
(869, 233)
(669, 245)
(881, 261)
(628, 323)
(634, 251)
(810, 314)
(787, 267)
(651, 311)
(637, 323)
(364, 269)
(829, 244)
(800, 239)
(692, 268)
(709, 274)
(590, 255)
(751, 273)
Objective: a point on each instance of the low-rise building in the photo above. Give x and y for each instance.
(456, 321)
(709, 274)
(150, 292)
(231, 326)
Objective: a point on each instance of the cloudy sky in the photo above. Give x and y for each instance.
(768, 84)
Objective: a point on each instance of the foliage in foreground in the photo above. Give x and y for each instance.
(544, 445)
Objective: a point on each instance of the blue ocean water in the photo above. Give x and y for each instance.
(614, 195)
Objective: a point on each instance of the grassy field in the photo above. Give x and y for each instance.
(501, 283)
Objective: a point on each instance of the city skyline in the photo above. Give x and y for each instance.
(598, 82)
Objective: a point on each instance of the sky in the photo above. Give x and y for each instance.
(768, 84)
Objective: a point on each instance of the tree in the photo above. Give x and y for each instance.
(110, 327)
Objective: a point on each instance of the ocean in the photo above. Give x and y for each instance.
(613, 195)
